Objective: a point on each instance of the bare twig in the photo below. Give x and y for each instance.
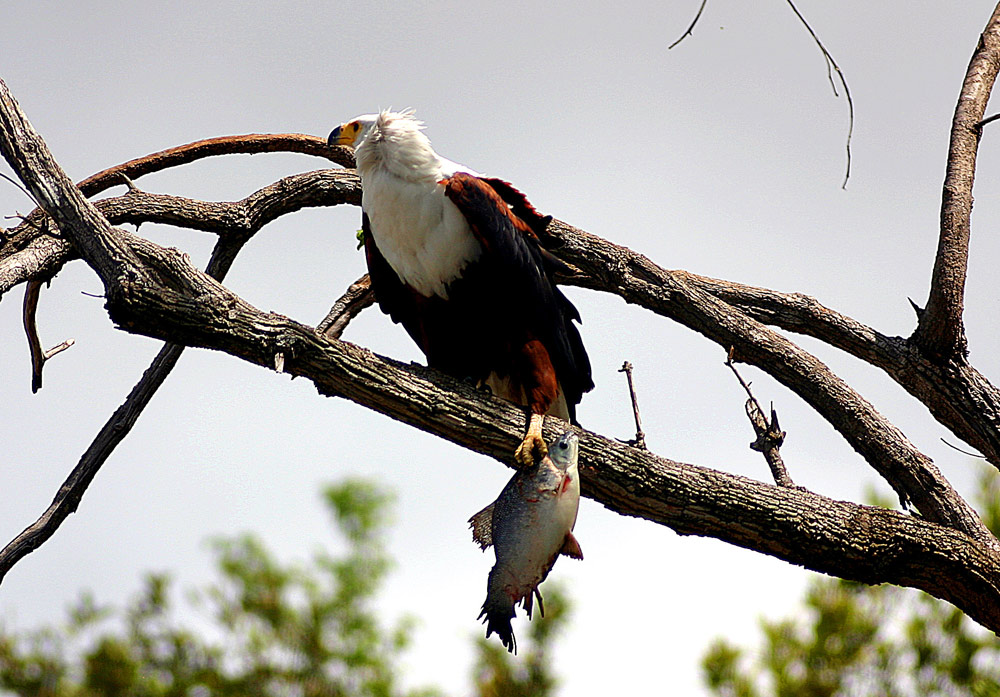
(128, 182)
(38, 356)
(357, 297)
(964, 452)
(831, 65)
(940, 333)
(640, 437)
(769, 433)
(20, 186)
(690, 29)
(987, 120)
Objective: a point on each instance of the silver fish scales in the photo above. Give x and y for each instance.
(529, 526)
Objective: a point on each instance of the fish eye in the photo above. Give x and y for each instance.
(563, 445)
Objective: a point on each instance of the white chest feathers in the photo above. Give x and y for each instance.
(419, 231)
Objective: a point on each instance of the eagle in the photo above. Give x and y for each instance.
(457, 258)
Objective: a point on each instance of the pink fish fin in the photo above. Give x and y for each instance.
(482, 527)
(571, 548)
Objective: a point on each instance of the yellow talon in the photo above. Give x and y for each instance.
(532, 448)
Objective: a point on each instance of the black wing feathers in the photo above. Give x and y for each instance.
(518, 269)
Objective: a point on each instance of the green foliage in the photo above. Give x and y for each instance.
(498, 675)
(282, 630)
(860, 641)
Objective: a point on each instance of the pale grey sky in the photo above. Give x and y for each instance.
(723, 156)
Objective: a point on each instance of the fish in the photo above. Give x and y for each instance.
(529, 525)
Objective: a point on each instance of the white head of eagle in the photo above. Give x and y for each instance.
(395, 139)
(458, 260)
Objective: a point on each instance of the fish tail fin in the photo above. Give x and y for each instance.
(498, 617)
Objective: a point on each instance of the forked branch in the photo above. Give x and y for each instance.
(768, 432)
(39, 355)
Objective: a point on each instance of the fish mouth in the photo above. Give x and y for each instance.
(566, 447)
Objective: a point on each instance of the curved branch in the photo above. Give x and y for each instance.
(224, 145)
(44, 256)
(30, 251)
(957, 395)
(690, 30)
(636, 279)
(940, 334)
(831, 65)
(39, 356)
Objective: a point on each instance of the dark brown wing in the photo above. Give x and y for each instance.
(515, 286)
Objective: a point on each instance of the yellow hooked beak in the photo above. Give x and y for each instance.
(344, 134)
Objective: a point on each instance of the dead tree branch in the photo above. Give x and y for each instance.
(224, 145)
(638, 280)
(954, 392)
(38, 355)
(940, 334)
(356, 298)
(768, 432)
(640, 437)
(831, 67)
(690, 29)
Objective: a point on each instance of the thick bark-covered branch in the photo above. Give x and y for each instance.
(638, 280)
(941, 332)
(850, 540)
(156, 291)
(32, 250)
(77, 218)
(956, 393)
